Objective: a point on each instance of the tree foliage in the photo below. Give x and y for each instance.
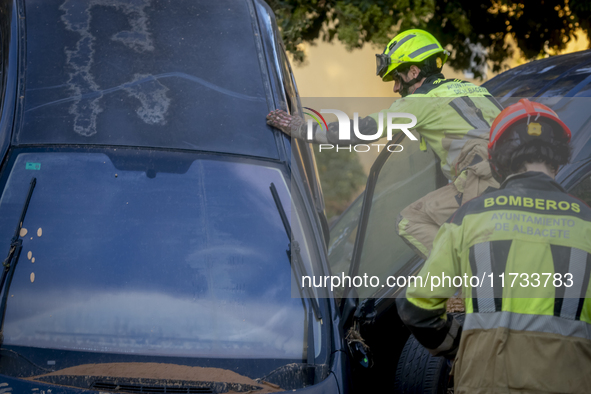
(538, 27)
(342, 178)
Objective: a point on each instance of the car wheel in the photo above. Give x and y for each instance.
(418, 372)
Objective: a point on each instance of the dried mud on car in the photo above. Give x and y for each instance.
(159, 375)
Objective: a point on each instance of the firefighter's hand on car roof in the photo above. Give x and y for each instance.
(290, 125)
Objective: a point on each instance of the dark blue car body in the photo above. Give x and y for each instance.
(566, 80)
(152, 235)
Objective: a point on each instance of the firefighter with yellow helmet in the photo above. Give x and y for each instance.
(410, 47)
(528, 312)
(453, 118)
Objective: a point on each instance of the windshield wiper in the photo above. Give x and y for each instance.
(295, 258)
(16, 245)
(293, 252)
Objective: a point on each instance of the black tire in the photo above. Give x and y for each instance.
(418, 372)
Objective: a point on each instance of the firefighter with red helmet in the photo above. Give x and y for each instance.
(523, 256)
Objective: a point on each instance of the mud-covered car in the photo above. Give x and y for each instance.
(152, 224)
(146, 208)
(364, 242)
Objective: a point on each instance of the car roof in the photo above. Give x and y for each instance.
(184, 74)
(565, 75)
(562, 82)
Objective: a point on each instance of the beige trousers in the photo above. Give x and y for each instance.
(419, 223)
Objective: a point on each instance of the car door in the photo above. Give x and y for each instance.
(364, 240)
(364, 243)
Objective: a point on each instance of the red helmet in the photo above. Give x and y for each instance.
(523, 123)
(533, 128)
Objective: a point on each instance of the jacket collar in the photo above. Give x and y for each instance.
(430, 79)
(428, 84)
(532, 180)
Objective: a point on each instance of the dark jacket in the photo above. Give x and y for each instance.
(527, 248)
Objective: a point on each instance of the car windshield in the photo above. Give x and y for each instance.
(181, 74)
(141, 252)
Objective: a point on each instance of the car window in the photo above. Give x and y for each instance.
(288, 83)
(564, 86)
(405, 177)
(294, 106)
(342, 238)
(553, 76)
(585, 91)
(578, 121)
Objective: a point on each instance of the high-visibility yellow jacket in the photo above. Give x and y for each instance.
(526, 251)
(449, 112)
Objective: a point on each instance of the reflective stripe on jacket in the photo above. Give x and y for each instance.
(526, 249)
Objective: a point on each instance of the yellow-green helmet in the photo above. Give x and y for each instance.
(411, 46)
